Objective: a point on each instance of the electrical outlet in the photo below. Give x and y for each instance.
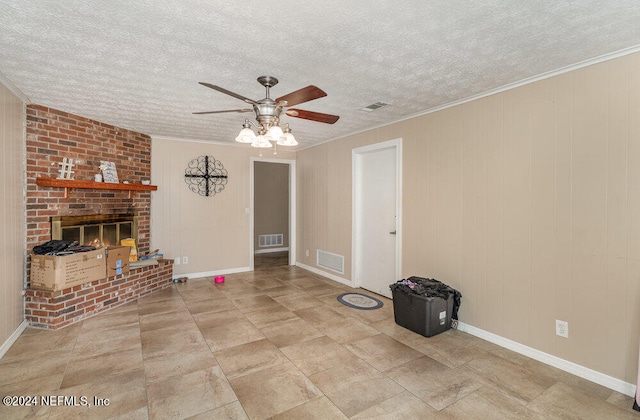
(307, 252)
(185, 260)
(176, 261)
(562, 328)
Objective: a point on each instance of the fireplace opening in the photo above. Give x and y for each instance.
(95, 230)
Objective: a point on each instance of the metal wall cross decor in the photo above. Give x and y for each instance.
(206, 176)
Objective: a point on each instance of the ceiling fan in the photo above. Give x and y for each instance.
(268, 113)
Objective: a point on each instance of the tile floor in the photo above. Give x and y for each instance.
(275, 343)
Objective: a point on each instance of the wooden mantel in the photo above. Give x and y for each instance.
(70, 184)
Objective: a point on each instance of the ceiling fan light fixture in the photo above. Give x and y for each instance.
(268, 112)
(275, 132)
(246, 135)
(261, 141)
(287, 138)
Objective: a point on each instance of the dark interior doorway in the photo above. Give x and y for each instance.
(271, 215)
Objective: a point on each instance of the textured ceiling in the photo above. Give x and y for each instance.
(137, 64)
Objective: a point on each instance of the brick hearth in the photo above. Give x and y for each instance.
(51, 136)
(58, 309)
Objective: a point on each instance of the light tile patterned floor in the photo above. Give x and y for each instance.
(275, 343)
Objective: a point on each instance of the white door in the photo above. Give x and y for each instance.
(376, 225)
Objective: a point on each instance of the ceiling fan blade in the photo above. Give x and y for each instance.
(228, 92)
(220, 112)
(313, 116)
(299, 96)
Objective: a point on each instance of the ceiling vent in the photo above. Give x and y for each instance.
(374, 106)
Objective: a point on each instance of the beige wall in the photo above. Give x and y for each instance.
(527, 201)
(213, 232)
(324, 199)
(12, 211)
(271, 201)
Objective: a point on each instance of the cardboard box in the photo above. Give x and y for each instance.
(117, 260)
(49, 272)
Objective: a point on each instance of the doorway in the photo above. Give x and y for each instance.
(377, 234)
(272, 226)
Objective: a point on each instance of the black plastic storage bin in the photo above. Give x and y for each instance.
(428, 309)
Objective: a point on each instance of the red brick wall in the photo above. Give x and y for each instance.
(53, 135)
(58, 309)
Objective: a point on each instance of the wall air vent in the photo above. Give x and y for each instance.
(331, 261)
(374, 106)
(274, 239)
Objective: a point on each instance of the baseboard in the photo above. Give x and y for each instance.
(213, 273)
(12, 338)
(324, 274)
(573, 368)
(270, 250)
(570, 367)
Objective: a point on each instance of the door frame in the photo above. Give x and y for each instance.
(397, 144)
(292, 206)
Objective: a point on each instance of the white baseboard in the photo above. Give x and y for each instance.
(270, 250)
(573, 368)
(324, 274)
(12, 338)
(213, 273)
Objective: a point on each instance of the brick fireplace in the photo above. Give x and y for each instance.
(95, 229)
(51, 136)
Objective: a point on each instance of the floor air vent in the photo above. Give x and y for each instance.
(331, 261)
(275, 239)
